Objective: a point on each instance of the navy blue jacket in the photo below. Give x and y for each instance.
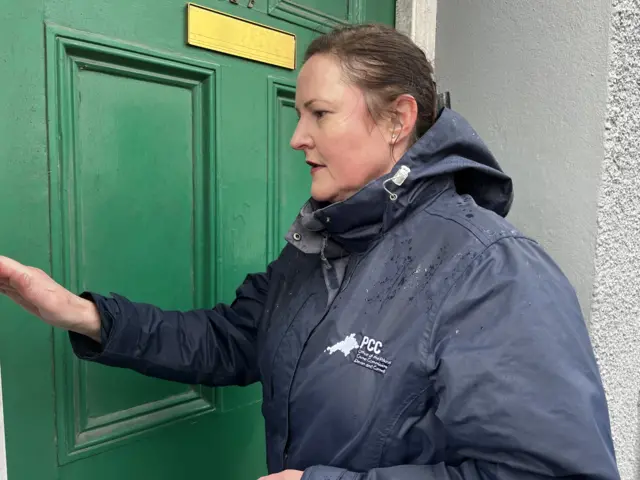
(407, 333)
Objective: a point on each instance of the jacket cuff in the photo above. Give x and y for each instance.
(322, 472)
(84, 347)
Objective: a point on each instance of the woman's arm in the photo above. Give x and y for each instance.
(214, 347)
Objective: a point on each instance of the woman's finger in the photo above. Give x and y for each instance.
(8, 267)
(14, 274)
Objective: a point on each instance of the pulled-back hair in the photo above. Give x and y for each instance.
(385, 64)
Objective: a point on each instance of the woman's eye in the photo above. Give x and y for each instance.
(319, 113)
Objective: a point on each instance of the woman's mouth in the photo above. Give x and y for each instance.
(314, 166)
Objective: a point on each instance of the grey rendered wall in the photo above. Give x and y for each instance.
(531, 77)
(615, 317)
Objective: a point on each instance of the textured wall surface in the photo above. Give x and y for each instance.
(615, 325)
(531, 77)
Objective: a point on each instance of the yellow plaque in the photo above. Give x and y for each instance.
(225, 33)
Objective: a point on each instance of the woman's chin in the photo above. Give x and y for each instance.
(322, 196)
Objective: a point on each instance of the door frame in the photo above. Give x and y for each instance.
(417, 18)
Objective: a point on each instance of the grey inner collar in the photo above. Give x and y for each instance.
(308, 234)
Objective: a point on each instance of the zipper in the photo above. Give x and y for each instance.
(326, 263)
(353, 262)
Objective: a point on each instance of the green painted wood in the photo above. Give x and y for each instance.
(25, 344)
(318, 15)
(132, 162)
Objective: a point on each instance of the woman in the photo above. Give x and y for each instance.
(407, 331)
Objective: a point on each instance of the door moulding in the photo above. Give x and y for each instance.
(71, 54)
(417, 18)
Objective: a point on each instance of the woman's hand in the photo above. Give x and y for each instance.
(40, 295)
(284, 475)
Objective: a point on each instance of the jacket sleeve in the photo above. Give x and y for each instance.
(519, 394)
(213, 347)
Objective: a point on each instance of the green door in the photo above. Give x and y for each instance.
(134, 163)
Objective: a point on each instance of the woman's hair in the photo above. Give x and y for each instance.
(385, 64)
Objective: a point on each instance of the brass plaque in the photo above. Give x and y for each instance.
(225, 33)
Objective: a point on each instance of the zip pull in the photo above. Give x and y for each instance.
(326, 262)
(399, 178)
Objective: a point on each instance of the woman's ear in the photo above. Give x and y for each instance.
(405, 108)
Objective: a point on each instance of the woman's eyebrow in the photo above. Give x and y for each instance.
(306, 104)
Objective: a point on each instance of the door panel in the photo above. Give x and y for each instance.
(317, 15)
(132, 214)
(338, 10)
(286, 167)
(134, 163)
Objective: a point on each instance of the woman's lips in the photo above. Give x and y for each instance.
(314, 167)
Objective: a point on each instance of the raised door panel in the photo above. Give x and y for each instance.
(288, 174)
(317, 15)
(131, 212)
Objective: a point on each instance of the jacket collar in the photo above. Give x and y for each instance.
(449, 155)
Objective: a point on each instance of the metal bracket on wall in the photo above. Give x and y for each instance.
(444, 100)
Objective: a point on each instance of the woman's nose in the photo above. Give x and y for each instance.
(300, 140)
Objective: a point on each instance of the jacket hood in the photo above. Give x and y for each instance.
(449, 153)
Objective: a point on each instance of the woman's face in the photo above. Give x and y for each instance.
(344, 146)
